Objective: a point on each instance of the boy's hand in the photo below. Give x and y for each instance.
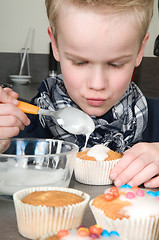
(12, 119)
(140, 164)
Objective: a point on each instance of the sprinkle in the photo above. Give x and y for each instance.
(96, 229)
(115, 192)
(135, 188)
(157, 193)
(83, 231)
(114, 233)
(93, 235)
(105, 233)
(140, 193)
(151, 193)
(108, 196)
(130, 195)
(62, 233)
(114, 189)
(126, 186)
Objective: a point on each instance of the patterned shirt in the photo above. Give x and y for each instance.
(120, 128)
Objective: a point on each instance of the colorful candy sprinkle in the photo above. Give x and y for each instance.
(151, 193)
(135, 188)
(114, 233)
(140, 193)
(130, 195)
(82, 231)
(93, 235)
(96, 229)
(105, 233)
(115, 192)
(126, 186)
(62, 233)
(108, 196)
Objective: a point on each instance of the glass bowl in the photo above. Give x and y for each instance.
(28, 163)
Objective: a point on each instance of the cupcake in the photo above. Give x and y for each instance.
(83, 233)
(93, 165)
(131, 211)
(48, 209)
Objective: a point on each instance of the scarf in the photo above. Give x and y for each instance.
(120, 128)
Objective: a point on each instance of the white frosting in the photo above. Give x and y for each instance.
(99, 152)
(146, 205)
(143, 206)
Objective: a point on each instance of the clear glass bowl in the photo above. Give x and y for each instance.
(28, 163)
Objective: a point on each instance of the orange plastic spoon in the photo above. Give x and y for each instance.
(71, 119)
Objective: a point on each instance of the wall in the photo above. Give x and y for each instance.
(18, 16)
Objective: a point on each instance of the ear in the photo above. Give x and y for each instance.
(141, 52)
(54, 45)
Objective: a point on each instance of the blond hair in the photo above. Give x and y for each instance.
(142, 10)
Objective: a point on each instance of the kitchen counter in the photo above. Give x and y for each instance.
(8, 223)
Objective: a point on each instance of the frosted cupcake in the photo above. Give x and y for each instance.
(93, 165)
(83, 233)
(131, 211)
(48, 209)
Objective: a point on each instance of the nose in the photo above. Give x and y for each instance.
(97, 79)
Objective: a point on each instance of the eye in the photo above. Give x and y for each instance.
(116, 65)
(80, 63)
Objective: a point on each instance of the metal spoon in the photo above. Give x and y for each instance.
(71, 119)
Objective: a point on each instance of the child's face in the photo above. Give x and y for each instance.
(97, 54)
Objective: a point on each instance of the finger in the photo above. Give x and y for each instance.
(129, 156)
(12, 121)
(10, 92)
(147, 173)
(7, 98)
(10, 113)
(9, 132)
(152, 183)
(134, 173)
(122, 165)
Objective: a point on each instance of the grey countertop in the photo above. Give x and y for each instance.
(8, 223)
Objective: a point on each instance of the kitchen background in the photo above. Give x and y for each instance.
(19, 16)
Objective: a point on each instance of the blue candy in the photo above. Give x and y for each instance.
(126, 186)
(105, 233)
(157, 193)
(151, 193)
(114, 233)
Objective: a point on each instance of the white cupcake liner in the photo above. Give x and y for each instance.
(35, 221)
(138, 228)
(94, 172)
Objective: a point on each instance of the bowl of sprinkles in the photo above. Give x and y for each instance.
(134, 209)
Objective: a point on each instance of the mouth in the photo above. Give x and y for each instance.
(96, 102)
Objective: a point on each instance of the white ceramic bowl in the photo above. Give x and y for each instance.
(28, 163)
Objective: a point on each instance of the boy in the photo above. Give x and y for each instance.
(98, 44)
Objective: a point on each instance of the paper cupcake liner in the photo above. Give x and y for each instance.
(94, 172)
(138, 228)
(35, 221)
